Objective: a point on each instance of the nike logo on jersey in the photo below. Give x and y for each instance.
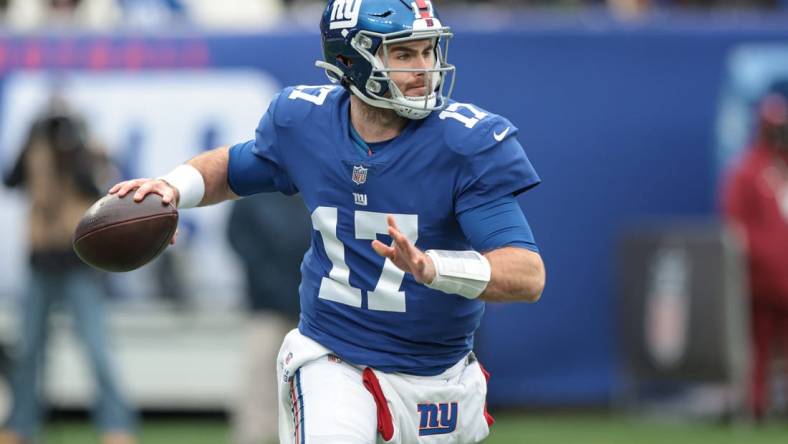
(499, 136)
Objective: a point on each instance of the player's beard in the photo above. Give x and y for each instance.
(382, 117)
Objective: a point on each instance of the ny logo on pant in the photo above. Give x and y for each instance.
(437, 419)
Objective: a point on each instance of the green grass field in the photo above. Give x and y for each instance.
(509, 429)
(584, 429)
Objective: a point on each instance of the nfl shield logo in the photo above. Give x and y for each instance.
(359, 174)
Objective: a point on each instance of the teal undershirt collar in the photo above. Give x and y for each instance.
(365, 148)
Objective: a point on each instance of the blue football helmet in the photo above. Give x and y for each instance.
(356, 37)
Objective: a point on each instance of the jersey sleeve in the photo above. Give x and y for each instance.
(502, 169)
(496, 224)
(255, 166)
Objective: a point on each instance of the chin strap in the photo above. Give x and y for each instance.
(330, 69)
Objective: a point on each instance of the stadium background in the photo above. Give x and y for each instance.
(628, 119)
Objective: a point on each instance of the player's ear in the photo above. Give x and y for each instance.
(345, 61)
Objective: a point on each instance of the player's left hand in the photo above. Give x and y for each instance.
(405, 255)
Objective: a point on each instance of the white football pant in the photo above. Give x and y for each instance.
(323, 400)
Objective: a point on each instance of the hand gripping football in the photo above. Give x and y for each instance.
(121, 235)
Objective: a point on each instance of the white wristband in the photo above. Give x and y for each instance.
(465, 273)
(190, 184)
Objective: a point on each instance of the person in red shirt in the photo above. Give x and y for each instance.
(755, 202)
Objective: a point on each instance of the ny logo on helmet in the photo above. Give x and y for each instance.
(344, 13)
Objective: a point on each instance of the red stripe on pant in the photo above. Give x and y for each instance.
(385, 422)
(487, 416)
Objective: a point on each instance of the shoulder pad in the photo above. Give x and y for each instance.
(295, 103)
(468, 129)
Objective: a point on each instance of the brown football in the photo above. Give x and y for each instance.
(121, 235)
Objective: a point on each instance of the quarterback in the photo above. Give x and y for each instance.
(415, 226)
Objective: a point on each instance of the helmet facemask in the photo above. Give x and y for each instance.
(380, 89)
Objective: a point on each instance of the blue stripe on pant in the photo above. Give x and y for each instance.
(300, 405)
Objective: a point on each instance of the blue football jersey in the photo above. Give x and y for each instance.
(353, 301)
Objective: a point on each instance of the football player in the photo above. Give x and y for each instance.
(412, 198)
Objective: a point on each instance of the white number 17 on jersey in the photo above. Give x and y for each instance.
(336, 287)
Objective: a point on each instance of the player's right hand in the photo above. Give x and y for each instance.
(168, 193)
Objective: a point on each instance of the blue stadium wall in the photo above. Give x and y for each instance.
(618, 120)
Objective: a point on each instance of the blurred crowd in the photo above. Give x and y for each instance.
(108, 14)
(259, 14)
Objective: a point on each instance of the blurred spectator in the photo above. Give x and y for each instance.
(28, 14)
(270, 232)
(740, 4)
(261, 14)
(151, 13)
(755, 199)
(235, 14)
(626, 9)
(60, 174)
